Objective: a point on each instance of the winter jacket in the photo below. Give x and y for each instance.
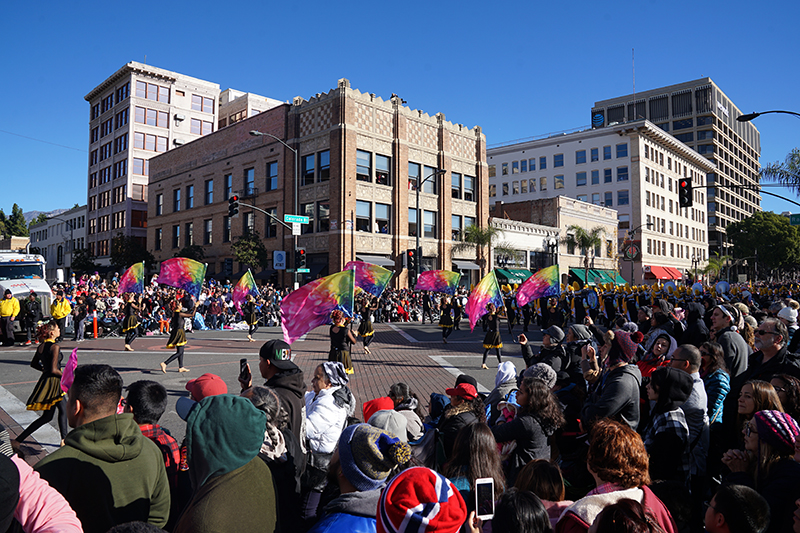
(696, 410)
(32, 311)
(649, 362)
(41, 507)
(617, 396)
(696, 331)
(110, 474)
(354, 512)
(735, 350)
(9, 307)
(531, 436)
(59, 310)
(717, 387)
(453, 420)
(780, 488)
(325, 420)
(554, 356)
(580, 515)
(414, 427)
(289, 387)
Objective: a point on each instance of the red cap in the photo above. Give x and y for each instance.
(464, 390)
(206, 385)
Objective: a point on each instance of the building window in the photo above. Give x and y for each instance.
(139, 192)
(272, 176)
(622, 198)
(120, 119)
(154, 143)
(607, 175)
(523, 187)
(363, 166)
(141, 167)
(622, 173)
(123, 92)
(608, 201)
(201, 127)
(455, 227)
(505, 169)
(430, 181)
(558, 182)
(523, 165)
(543, 163)
(596, 198)
(492, 190)
(95, 111)
(558, 160)
(412, 222)
(532, 164)
(469, 188)
(121, 169)
(429, 218)
(157, 242)
(595, 155)
(583, 198)
(324, 165)
(152, 91)
(515, 167)
(307, 210)
(323, 216)
(176, 236)
(606, 153)
(413, 175)
(363, 215)
(94, 135)
(505, 189)
(543, 183)
(307, 169)
(121, 143)
(226, 229)
(622, 150)
(580, 157)
(106, 103)
(249, 223)
(208, 193)
(492, 171)
(159, 204)
(189, 196)
(201, 103)
(580, 179)
(207, 233)
(595, 177)
(249, 181)
(228, 186)
(105, 151)
(382, 169)
(151, 117)
(532, 185)
(383, 218)
(514, 187)
(271, 227)
(176, 200)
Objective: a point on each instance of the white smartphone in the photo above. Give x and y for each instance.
(484, 498)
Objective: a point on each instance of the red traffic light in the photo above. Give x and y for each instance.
(683, 183)
(301, 251)
(410, 253)
(234, 198)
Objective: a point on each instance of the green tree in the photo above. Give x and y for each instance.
(480, 239)
(586, 241)
(249, 250)
(786, 173)
(193, 251)
(83, 262)
(3, 221)
(769, 237)
(41, 217)
(125, 251)
(715, 265)
(15, 225)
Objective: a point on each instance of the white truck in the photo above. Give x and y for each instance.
(23, 273)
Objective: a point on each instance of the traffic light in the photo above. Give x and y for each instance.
(685, 192)
(233, 206)
(299, 258)
(411, 260)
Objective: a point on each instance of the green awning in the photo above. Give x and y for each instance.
(510, 276)
(596, 275)
(602, 276)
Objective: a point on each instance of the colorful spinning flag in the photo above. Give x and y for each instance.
(488, 290)
(132, 280)
(444, 281)
(183, 273)
(542, 284)
(68, 374)
(311, 305)
(245, 286)
(370, 278)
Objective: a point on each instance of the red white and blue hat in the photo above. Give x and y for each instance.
(419, 500)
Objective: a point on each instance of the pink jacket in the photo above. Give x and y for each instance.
(41, 509)
(579, 516)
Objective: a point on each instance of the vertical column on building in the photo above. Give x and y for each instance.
(400, 193)
(481, 186)
(346, 193)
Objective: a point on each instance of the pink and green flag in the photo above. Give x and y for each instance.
(311, 305)
(370, 278)
(183, 273)
(132, 280)
(245, 286)
(542, 284)
(488, 290)
(445, 281)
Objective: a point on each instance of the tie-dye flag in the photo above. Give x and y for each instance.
(444, 281)
(488, 290)
(370, 278)
(183, 273)
(245, 286)
(68, 374)
(542, 284)
(311, 305)
(132, 280)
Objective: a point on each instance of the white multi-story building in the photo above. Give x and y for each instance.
(633, 168)
(57, 238)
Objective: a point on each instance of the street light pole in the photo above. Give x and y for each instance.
(256, 133)
(631, 233)
(750, 116)
(419, 216)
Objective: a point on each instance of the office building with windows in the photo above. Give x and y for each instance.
(701, 116)
(633, 168)
(360, 159)
(57, 238)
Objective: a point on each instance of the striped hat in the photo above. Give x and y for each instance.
(777, 429)
(420, 500)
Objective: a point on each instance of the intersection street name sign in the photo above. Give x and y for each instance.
(794, 220)
(295, 218)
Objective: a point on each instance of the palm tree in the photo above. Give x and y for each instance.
(715, 265)
(584, 240)
(477, 238)
(786, 173)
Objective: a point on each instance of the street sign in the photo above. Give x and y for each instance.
(794, 220)
(295, 228)
(303, 270)
(295, 218)
(279, 260)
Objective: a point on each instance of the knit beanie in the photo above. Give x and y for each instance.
(581, 332)
(543, 372)
(9, 491)
(777, 429)
(419, 500)
(391, 422)
(373, 406)
(368, 455)
(555, 332)
(623, 347)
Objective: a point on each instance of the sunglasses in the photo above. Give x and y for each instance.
(748, 429)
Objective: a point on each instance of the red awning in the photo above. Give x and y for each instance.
(658, 272)
(676, 274)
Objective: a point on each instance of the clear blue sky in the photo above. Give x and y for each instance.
(517, 69)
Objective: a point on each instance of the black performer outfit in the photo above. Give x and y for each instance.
(365, 328)
(492, 339)
(250, 316)
(177, 338)
(47, 395)
(527, 314)
(511, 313)
(130, 325)
(446, 321)
(426, 307)
(458, 312)
(340, 348)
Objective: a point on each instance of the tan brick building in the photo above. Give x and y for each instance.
(360, 158)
